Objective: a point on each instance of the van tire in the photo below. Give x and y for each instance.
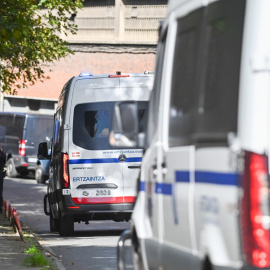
(54, 223)
(66, 225)
(11, 170)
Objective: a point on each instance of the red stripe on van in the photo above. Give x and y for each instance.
(128, 199)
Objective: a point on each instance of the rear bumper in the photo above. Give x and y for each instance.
(71, 207)
(84, 212)
(22, 165)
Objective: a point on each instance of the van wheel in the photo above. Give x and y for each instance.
(66, 225)
(39, 175)
(11, 170)
(54, 223)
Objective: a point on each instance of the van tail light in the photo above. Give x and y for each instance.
(22, 148)
(255, 210)
(65, 171)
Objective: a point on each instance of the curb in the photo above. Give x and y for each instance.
(13, 217)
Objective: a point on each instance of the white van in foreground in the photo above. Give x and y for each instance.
(89, 179)
(204, 194)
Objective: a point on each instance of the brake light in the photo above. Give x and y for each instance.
(255, 210)
(65, 171)
(22, 148)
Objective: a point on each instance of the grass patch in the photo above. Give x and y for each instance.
(36, 258)
(32, 250)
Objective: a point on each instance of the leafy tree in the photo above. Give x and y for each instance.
(29, 38)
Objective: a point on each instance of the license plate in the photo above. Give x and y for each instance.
(32, 159)
(103, 192)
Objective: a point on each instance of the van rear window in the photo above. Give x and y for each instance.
(38, 128)
(97, 123)
(92, 124)
(11, 127)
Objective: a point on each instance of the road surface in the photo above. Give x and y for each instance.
(93, 246)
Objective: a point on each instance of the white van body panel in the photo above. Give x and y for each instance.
(255, 78)
(90, 179)
(189, 211)
(89, 167)
(215, 205)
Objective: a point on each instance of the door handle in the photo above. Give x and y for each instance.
(134, 167)
(154, 170)
(164, 168)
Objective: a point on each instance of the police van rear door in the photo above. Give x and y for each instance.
(138, 88)
(95, 170)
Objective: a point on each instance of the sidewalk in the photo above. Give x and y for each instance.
(12, 248)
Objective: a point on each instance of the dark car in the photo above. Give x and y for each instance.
(20, 135)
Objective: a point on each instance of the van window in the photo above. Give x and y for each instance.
(205, 79)
(92, 124)
(217, 111)
(38, 129)
(185, 69)
(11, 127)
(97, 123)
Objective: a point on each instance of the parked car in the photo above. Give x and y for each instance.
(20, 134)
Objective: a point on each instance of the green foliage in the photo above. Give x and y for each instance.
(32, 250)
(36, 258)
(29, 38)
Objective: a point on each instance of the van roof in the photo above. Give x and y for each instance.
(87, 74)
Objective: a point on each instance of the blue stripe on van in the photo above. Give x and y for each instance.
(163, 188)
(103, 160)
(142, 186)
(182, 176)
(229, 179)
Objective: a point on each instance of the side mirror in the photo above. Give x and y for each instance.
(125, 125)
(43, 151)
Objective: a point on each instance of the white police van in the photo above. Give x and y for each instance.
(89, 179)
(204, 190)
